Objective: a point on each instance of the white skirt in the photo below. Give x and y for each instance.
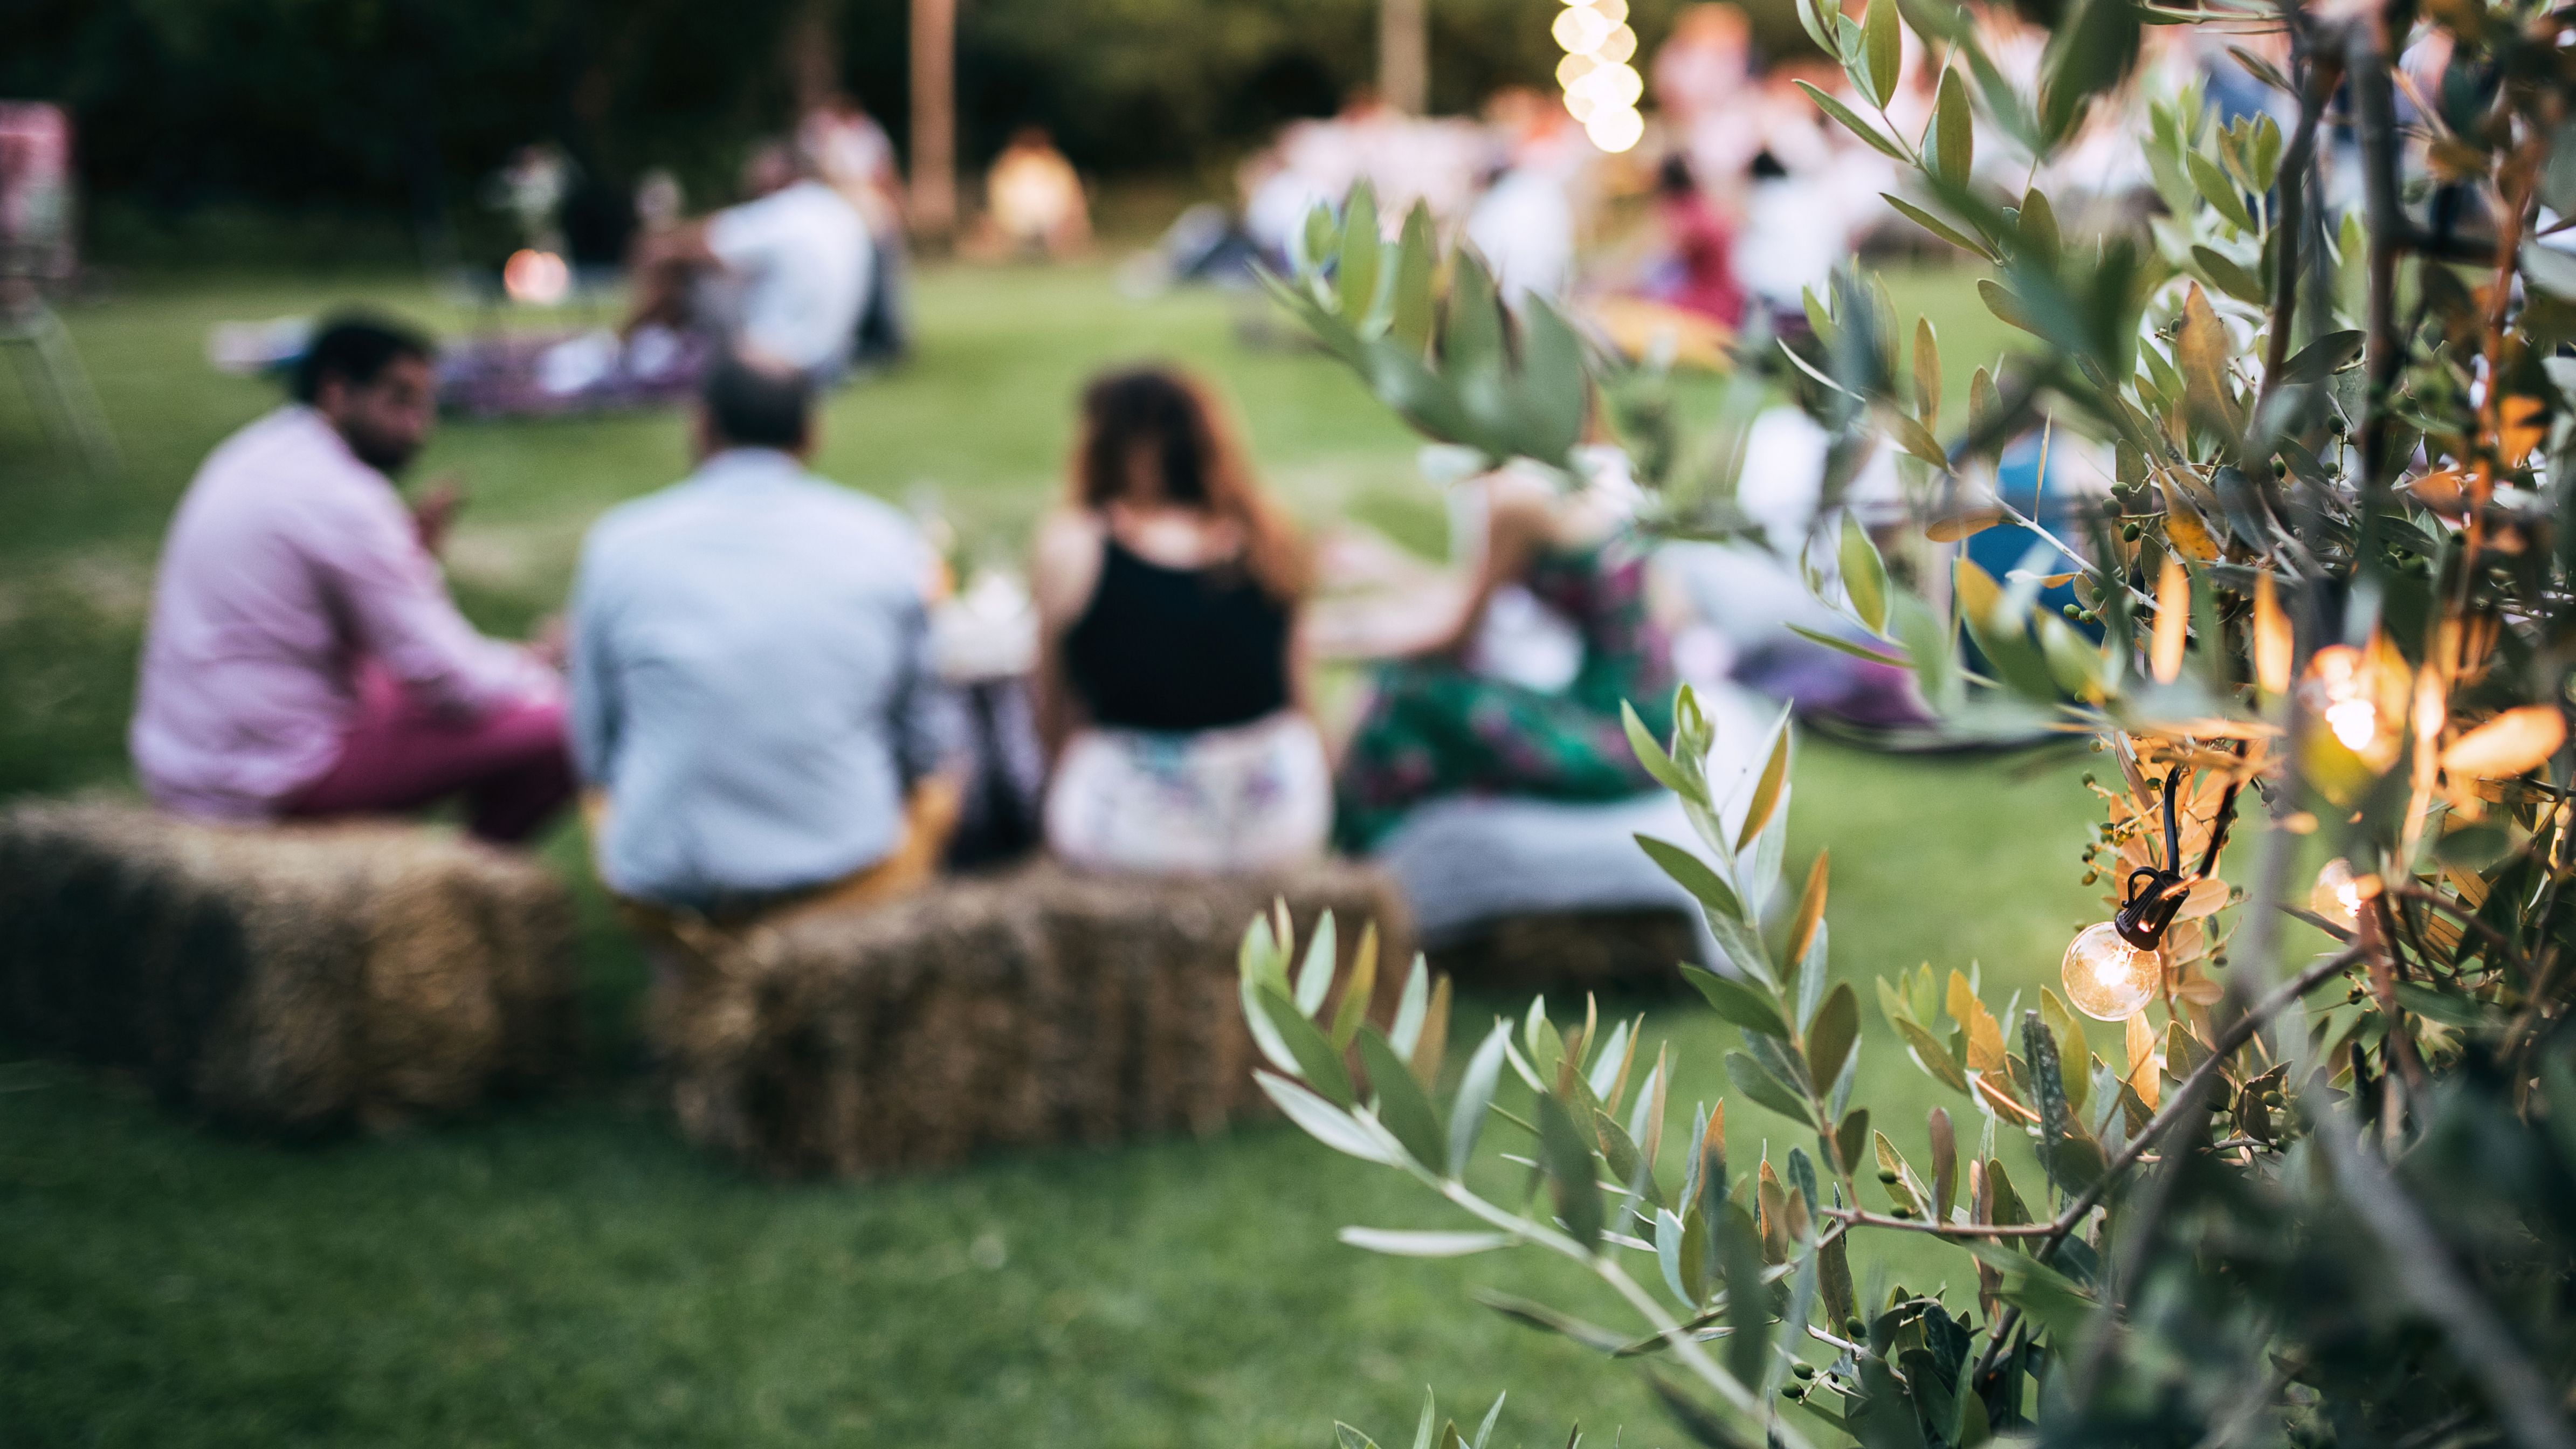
(1249, 798)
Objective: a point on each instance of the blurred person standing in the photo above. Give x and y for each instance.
(1702, 81)
(1704, 64)
(752, 696)
(303, 656)
(1810, 191)
(796, 257)
(1171, 688)
(1033, 201)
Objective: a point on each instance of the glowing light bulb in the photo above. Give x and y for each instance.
(2107, 978)
(1580, 29)
(537, 279)
(1617, 47)
(2341, 691)
(1571, 70)
(1616, 86)
(2339, 893)
(2354, 721)
(1615, 129)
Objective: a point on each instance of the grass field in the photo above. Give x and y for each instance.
(569, 1274)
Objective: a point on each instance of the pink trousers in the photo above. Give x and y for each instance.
(512, 767)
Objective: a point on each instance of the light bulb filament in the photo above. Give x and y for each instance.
(2108, 978)
(2355, 722)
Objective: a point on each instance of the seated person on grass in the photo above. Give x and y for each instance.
(1170, 686)
(1519, 691)
(303, 656)
(784, 276)
(751, 682)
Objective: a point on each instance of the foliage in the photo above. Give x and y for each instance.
(2333, 576)
(390, 109)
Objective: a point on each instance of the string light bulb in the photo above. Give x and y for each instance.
(2107, 976)
(1615, 129)
(1601, 89)
(2114, 968)
(2342, 693)
(2339, 893)
(536, 279)
(1580, 29)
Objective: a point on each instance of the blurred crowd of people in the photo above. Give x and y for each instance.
(758, 688)
(750, 693)
(1742, 194)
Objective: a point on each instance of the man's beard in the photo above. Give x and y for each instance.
(388, 456)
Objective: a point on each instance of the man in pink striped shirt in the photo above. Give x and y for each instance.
(304, 658)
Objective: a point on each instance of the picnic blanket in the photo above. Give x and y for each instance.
(1468, 861)
(553, 374)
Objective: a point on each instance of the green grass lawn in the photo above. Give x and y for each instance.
(568, 1273)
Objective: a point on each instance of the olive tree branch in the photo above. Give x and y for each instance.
(2291, 227)
(2465, 917)
(1684, 1344)
(1858, 1218)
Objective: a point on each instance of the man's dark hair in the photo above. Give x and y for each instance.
(754, 406)
(356, 349)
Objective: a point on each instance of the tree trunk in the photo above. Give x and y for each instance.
(934, 118)
(812, 55)
(1404, 54)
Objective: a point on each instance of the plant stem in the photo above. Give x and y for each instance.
(1859, 1219)
(2467, 918)
(2322, 74)
(1684, 1345)
(2375, 118)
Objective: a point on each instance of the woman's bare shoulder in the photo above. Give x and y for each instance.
(1064, 562)
(1178, 538)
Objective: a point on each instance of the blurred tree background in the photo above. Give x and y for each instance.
(300, 130)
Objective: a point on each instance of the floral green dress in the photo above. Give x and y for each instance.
(1433, 728)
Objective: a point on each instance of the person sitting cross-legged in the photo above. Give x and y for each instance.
(303, 657)
(1171, 688)
(752, 692)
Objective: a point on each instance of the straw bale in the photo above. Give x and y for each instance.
(287, 979)
(1571, 951)
(1041, 1006)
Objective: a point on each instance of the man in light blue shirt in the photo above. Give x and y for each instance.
(751, 685)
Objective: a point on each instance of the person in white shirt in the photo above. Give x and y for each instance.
(797, 257)
(1524, 227)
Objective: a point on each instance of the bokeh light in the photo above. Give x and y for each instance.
(1601, 88)
(536, 279)
(1580, 29)
(1615, 129)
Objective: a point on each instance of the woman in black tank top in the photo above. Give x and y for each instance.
(1169, 649)
(1169, 683)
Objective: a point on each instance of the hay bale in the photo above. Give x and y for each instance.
(292, 979)
(1571, 951)
(1036, 1007)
